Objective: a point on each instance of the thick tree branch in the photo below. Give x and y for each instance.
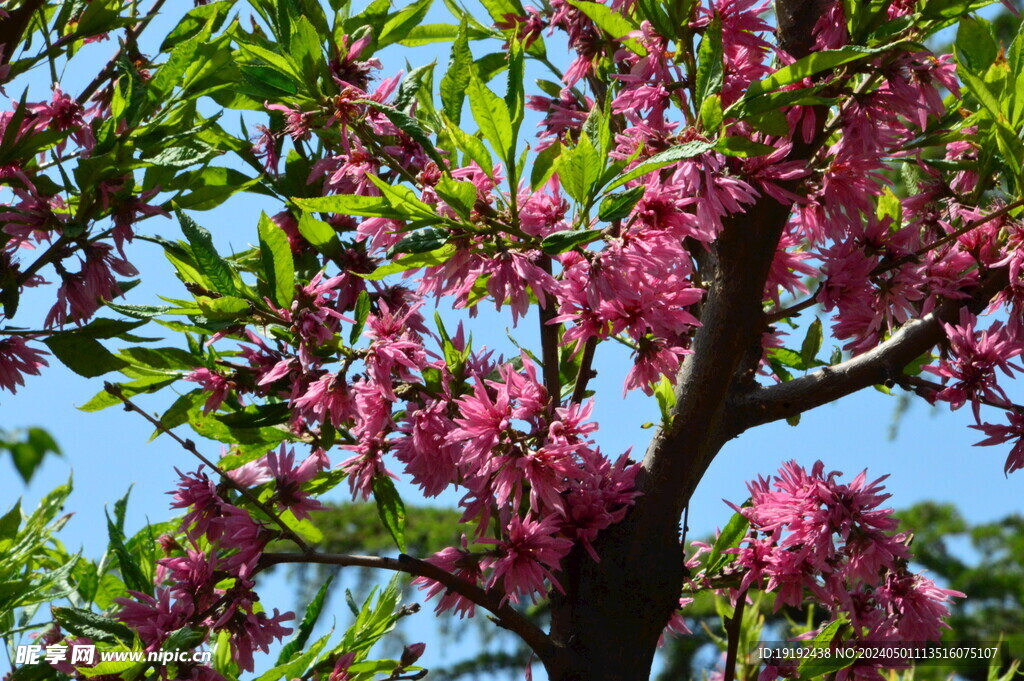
(882, 363)
(505, 615)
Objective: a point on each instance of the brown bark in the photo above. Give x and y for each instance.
(613, 611)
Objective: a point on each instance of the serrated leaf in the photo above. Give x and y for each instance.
(492, 117)
(213, 266)
(661, 160)
(710, 61)
(312, 614)
(92, 625)
(579, 169)
(421, 241)
(456, 79)
(350, 204)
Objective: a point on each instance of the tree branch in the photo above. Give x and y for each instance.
(549, 345)
(884, 362)
(108, 70)
(505, 615)
(190, 447)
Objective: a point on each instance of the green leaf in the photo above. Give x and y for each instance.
(743, 147)
(710, 61)
(711, 115)
(410, 85)
(195, 20)
(812, 343)
(665, 393)
(619, 205)
(309, 619)
(398, 25)
(456, 79)
(362, 313)
(492, 118)
(278, 265)
(732, 534)
(544, 165)
(611, 22)
(390, 509)
(403, 200)
(83, 355)
(812, 64)
(131, 571)
(319, 234)
(515, 98)
(92, 625)
(976, 48)
(225, 308)
(662, 159)
(350, 204)
(813, 666)
(560, 242)
(421, 241)
(579, 169)
(28, 450)
(410, 126)
(212, 265)
(411, 262)
(458, 194)
(148, 384)
(471, 146)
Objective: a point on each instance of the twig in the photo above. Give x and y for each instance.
(190, 447)
(549, 345)
(108, 70)
(584, 375)
(922, 387)
(505, 615)
(733, 626)
(796, 308)
(973, 224)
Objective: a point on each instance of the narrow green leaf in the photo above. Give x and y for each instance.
(362, 313)
(812, 343)
(350, 204)
(390, 508)
(710, 61)
(611, 22)
(319, 234)
(743, 147)
(579, 169)
(421, 241)
(410, 126)
(619, 205)
(456, 79)
(661, 160)
(309, 619)
(732, 534)
(278, 265)
(131, 571)
(92, 625)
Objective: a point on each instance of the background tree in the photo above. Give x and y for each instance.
(703, 180)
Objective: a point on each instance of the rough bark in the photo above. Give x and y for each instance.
(612, 612)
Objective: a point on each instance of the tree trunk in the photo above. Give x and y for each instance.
(612, 613)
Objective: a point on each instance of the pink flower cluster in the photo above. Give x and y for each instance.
(813, 538)
(208, 583)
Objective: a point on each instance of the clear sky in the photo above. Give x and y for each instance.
(932, 458)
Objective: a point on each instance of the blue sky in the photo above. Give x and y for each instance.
(107, 452)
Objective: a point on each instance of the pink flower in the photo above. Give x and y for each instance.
(429, 457)
(215, 384)
(526, 557)
(463, 564)
(289, 479)
(998, 434)
(154, 618)
(16, 359)
(975, 356)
